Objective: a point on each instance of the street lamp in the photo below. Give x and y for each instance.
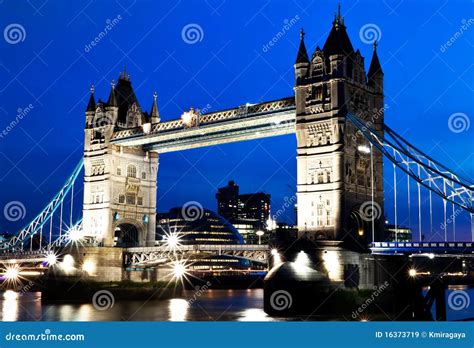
(260, 234)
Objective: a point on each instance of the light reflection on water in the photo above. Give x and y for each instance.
(211, 305)
(222, 305)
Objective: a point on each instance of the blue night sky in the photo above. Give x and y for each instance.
(51, 69)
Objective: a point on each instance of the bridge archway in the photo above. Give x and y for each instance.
(358, 226)
(128, 234)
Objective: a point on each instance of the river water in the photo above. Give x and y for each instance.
(210, 305)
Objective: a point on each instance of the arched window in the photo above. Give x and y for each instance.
(131, 171)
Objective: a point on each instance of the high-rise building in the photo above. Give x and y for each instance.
(228, 201)
(255, 206)
(248, 212)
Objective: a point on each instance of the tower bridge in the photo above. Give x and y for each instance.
(337, 115)
(246, 122)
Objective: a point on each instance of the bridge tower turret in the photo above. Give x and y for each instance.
(334, 182)
(119, 182)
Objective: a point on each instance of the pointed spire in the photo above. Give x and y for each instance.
(302, 56)
(91, 104)
(124, 75)
(338, 20)
(375, 67)
(154, 115)
(112, 98)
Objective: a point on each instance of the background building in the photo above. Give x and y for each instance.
(249, 213)
(208, 228)
(399, 234)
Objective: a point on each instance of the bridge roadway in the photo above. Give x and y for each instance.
(149, 256)
(436, 248)
(243, 123)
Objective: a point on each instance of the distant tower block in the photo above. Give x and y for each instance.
(119, 182)
(333, 161)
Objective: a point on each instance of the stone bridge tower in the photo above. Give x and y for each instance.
(119, 182)
(333, 160)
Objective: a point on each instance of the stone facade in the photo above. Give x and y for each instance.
(119, 182)
(334, 175)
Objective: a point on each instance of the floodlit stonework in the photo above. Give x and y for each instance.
(333, 161)
(119, 182)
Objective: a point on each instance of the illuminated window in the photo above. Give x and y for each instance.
(131, 171)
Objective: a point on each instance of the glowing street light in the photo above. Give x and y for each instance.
(179, 270)
(51, 259)
(260, 234)
(75, 234)
(12, 273)
(276, 256)
(412, 272)
(172, 241)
